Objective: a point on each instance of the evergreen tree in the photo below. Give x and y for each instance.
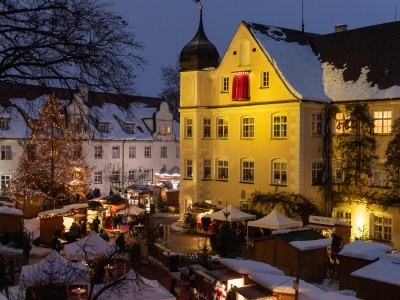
(52, 160)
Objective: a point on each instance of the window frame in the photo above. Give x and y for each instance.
(385, 122)
(225, 84)
(6, 152)
(188, 175)
(98, 152)
(247, 172)
(115, 176)
(207, 128)
(317, 172)
(132, 174)
(103, 127)
(264, 80)
(163, 151)
(207, 165)
(116, 152)
(247, 129)
(4, 123)
(224, 126)
(279, 174)
(147, 151)
(132, 152)
(380, 227)
(129, 128)
(317, 121)
(98, 175)
(222, 169)
(5, 181)
(188, 128)
(279, 127)
(338, 165)
(379, 169)
(340, 120)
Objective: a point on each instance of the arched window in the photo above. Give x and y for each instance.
(247, 170)
(279, 172)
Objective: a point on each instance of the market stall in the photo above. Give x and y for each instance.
(10, 223)
(325, 226)
(90, 246)
(355, 256)
(295, 252)
(275, 220)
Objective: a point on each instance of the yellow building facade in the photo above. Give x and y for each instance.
(254, 121)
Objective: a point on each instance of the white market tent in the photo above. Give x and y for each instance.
(275, 220)
(131, 210)
(244, 266)
(137, 288)
(92, 245)
(54, 268)
(231, 214)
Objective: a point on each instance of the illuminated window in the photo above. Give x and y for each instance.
(247, 127)
(98, 177)
(188, 128)
(344, 215)
(222, 128)
(222, 169)
(6, 153)
(5, 182)
(163, 151)
(207, 169)
(380, 175)
(279, 172)
(382, 228)
(317, 124)
(342, 123)
(147, 151)
(264, 79)
(115, 152)
(188, 169)
(317, 172)
(279, 126)
(98, 152)
(4, 123)
(240, 86)
(383, 122)
(337, 171)
(225, 84)
(247, 174)
(206, 128)
(132, 151)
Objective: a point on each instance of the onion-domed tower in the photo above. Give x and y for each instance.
(199, 53)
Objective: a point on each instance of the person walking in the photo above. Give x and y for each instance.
(26, 250)
(96, 224)
(120, 241)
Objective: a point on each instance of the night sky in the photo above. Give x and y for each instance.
(165, 26)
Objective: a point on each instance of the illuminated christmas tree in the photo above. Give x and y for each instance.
(52, 161)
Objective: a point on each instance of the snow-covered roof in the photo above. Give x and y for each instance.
(231, 214)
(92, 245)
(365, 250)
(292, 56)
(313, 244)
(284, 284)
(244, 266)
(66, 209)
(386, 269)
(10, 211)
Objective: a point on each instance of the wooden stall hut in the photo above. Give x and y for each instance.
(254, 292)
(325, 225)
(30, 202)
(379, 280)
(295, 252)
(59, 220)
(173, 199)
(113, 203)
(10, 223)
(355, 256)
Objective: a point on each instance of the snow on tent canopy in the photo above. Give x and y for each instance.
(275, 220)
(231, 214)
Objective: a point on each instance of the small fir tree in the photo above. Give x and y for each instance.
(52, 161)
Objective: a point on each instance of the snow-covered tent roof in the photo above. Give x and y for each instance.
(292, 56)
(92, 245)
(365, 250)
(275, 220)
(312, 244)
(386, 269)
(244, 266)
(231, 214)
(54, 268)
(65, 210)
(137, 288)
(284, 284)
(131, 210)
(10, 211)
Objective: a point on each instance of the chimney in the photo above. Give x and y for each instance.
(340, 27)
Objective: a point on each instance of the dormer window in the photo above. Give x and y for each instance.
(103, 127)
(4, 123)
(129, 128)
(240, 86)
